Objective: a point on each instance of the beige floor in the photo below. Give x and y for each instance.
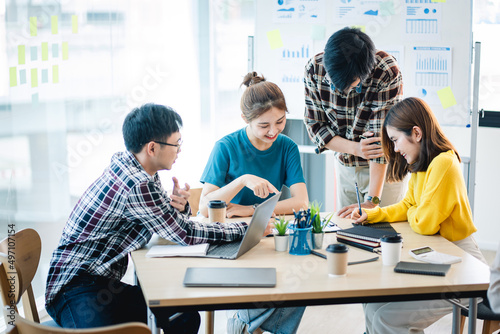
(344, 318)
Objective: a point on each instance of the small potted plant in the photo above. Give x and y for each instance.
(281, 239)
(317, 225)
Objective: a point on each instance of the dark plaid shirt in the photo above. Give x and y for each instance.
(118, 214)
(331, 113)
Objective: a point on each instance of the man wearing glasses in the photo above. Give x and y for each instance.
(349, 88)
(118, 214)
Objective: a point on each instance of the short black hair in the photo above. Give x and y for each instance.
(147, 123)
(349, 54)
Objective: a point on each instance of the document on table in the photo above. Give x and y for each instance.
(178, 250)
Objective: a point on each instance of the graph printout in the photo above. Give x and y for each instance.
(356, 11)
(422, 20)
(294, 11)
(432, 68)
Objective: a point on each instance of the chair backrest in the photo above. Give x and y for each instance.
(19, 325)
(194, 200)
(20, 256)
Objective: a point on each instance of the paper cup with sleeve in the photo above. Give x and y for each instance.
(217, 211)
(336, 259)
(391, 249)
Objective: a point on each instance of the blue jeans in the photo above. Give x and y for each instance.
(283, 320)
(92, 301)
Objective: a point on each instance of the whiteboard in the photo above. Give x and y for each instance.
(394, 25)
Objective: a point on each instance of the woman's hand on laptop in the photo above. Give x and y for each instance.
(260, 187)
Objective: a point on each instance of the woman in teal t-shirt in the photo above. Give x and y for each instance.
(247, 166)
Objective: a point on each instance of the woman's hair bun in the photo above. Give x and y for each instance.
(252, 78)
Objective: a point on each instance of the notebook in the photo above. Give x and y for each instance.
(177, 250)
(230, 277)
(422, 268)
(252, 236)
(364, 233)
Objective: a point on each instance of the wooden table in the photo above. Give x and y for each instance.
(303, 280)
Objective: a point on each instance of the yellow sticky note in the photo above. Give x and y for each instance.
(34, 78)
(54, 24)
(33, 26)
(274, 38)
(438, 0)
(65, 50)
(21, 54)
(13, 76)
(446, 97)
(362, 28)
(74, 24)
(55, 73)
(45, 51)
(318, 32)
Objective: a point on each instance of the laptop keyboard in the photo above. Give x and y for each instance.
(224, 250)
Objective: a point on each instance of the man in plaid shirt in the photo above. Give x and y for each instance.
(118, 214)
(348, 90)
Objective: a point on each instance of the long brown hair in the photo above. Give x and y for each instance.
(260, 96)
(403, 117)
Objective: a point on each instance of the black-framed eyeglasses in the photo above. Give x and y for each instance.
(178, 145)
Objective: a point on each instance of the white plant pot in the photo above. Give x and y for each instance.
(281, 243)
(318, 240)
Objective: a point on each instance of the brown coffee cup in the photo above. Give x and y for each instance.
(217, 211)
(336, 259)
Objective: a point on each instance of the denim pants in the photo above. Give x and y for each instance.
(284, 320)
(92, 301)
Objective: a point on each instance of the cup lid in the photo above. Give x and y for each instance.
(216, 204)
(392, 238)
(337, 248)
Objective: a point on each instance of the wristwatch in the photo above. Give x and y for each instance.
(374, 199)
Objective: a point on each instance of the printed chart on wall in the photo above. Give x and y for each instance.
(293, 11)
(432, 72)
(357, 11)
(422, 20)
(292, 60)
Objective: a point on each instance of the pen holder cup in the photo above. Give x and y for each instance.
(300, 241)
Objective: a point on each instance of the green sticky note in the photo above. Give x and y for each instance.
(21, 54)
(33, 27)
(387, 8)
(318, 32)
(34, 78)
(13, 76)
(54, 24)
(65, 50)
(55, 74)
(274, 38)
(74, 24)
(362, 28)
(45, 51)
(446, 97)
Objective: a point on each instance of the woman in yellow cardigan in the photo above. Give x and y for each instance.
(436, 202)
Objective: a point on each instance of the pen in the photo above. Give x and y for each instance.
(357, 195)
(348, 263)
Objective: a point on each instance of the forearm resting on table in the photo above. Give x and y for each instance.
(211, 192)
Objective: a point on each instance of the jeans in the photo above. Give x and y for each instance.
(92, 301)
(284, 320)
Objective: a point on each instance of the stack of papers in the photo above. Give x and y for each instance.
(178, 250)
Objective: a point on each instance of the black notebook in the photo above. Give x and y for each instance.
(365, 233)
(422, 268)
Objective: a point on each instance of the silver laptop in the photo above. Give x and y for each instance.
(230, 277)
(253, 234)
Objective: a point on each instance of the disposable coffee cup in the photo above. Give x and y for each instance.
(217, 211)
(391, 249)
(336, 259)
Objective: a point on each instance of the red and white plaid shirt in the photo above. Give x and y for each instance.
(330, 112)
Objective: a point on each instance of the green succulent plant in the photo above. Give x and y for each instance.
(281, 225)
(317, 223)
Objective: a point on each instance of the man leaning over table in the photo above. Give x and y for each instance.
(118, 214)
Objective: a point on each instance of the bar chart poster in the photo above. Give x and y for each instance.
(356, 11)
(422, 20)
(432, 71)
(289, 74)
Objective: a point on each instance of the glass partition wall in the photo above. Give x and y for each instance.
(72, 70)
